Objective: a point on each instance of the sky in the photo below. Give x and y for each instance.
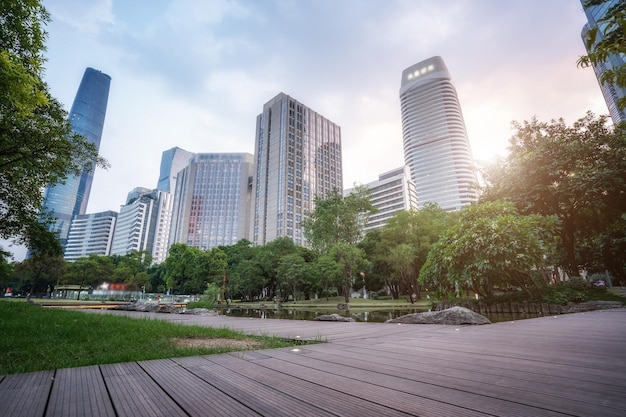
(196, 73)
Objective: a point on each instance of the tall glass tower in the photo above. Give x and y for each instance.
(64, 201)
(297, 157)
(610, 92)
(436, 147)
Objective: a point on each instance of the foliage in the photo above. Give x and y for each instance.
(399, 249)
(606, 40)
(490, 246)
(89, 271)
(576, 173)
(208, 304)
(37, 146)
(337, 219)
(351, 260)
(189, 270)
(35, 338)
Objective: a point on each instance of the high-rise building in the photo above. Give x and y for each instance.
(392, 192)
(610, 92)
(172, 161)
(137, 222)
(297, 157)
(212, 200)
(64, 201)
(436, 147)
(90, 234)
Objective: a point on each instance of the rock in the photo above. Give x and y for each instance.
(452, 316)
(332, 317)
(200, 312)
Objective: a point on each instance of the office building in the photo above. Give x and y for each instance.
(436, 147)
(392, 192)
(64, 201)
(212, 200)
(90, 234)
(137, 222)
(172, 161)
(297, 157)
(610, 92)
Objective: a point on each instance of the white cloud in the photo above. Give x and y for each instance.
(84, 16)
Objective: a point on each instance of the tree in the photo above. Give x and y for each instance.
(337, 219)
(491, 246)
(576, 173)
(291, 273)
(605, 40)
(37, 146)
(132, 268)
(89, 271)
(178, 266)
(350, 261)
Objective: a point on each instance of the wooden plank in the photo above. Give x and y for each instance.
(25, 395)
(410, 396)
(335, 393)
(532, 398)
(79, 392)
(262, 398)
(135, 394)
(195, 395)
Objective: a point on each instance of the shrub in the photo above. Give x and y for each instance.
(201, 304)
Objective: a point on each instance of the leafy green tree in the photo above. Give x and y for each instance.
(337, 219)
(37, 145)
(576, 173)
(291, 273)
(491, 246)
(351, 261)
(89, 271)
(381, 274)
(326, 274)
(156, 274)
(609, 38)
(132, 268)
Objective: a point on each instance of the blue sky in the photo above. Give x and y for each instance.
(196, 73)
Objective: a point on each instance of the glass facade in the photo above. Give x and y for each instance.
(610, 92)
(212, 200)
(436, 147)
(297, 156)
(64, 201)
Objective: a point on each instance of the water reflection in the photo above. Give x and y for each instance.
(373, 316)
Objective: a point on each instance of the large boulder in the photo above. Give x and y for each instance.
(332, 317)
(453, 316)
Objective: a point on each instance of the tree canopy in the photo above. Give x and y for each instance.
(490, 246)
(577, 173)
(37, 145)
(337, 219)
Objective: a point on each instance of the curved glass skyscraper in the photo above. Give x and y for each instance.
(436, 147)
(64, 201)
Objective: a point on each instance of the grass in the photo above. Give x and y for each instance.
(33, 338)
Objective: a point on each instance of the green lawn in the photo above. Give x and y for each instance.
(33, 338)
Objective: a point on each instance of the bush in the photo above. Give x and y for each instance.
(201, 304)
(373, 295)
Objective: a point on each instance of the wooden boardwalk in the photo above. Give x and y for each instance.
(569, 365)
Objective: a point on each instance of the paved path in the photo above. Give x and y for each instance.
(569, 365)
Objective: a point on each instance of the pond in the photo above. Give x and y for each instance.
(372, 316)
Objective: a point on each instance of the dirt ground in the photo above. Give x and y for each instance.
(223, 343)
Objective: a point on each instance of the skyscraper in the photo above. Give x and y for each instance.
(212, 200)
(64, 201)
(610, 92)
(297, 157)
(436, 147)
